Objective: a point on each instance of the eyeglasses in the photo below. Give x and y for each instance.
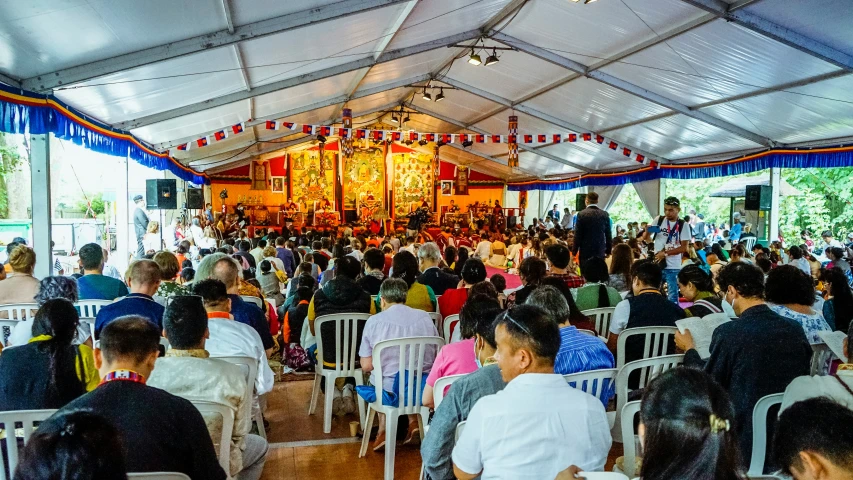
(514, 322)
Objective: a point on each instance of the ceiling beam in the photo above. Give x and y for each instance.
(298, 80)
(486, 157)
(628, 87)
(303, 109)
(478, 130)
(229, 21)
(10, 81)
(201, 43)
(781, 34)
(535, 114)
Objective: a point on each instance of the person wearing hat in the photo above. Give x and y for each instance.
(140, 224)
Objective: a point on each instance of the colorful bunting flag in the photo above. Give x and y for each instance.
(201, 142)
(572, 137)
(289, 125)
(626, 152)
(220, 135)
(612, 145)
(640, 158)
(272, 124)
(238, 128)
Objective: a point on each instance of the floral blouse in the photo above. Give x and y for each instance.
(811, 323)
(170, 289)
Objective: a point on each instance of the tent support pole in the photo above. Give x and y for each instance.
(40, 177)
(775, 184)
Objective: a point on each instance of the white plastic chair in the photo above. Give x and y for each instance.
(90, 308)
(410, 401)
(592, 382)
(759, 432)
(450, 322)
(159, 476)
(28, 419)
(649, 369)
(11, 314)
(820, 359)
(347, 343)
(255, 300)
(630, 453)
(250, 367)
(601, 318)
(441, 385)
(460, 427)
(223, 443)
(165, 342)
(656, 340)
(748, 243)
(271, 301)
(602, 476)
(436, 319)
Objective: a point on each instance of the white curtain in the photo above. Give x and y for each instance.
(649, 193)
(607, 195)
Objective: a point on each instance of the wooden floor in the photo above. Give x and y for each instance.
(300, 450)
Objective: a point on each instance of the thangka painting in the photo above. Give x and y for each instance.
(413, 181)
(364, 182)
(309, 181)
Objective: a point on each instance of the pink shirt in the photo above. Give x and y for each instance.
(453, 359)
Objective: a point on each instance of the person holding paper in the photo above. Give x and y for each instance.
(697, 286)
(670, 236)
(759, 354)
(791, 293)
(838, 387)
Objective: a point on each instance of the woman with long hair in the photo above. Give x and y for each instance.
(421, 297)
(622, 257)
(461, 258)
(838, 308)
(49, 371)
(450, 258)
(686, 429)
(697, 286)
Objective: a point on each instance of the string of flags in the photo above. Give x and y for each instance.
(413, 136)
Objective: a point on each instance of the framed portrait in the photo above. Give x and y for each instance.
(446, 188)
(277, 184)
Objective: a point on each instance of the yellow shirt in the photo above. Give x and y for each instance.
(88, 374)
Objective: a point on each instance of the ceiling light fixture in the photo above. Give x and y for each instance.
(589, 1)
(467, 143)
(440, 95)
(474, 59)
(394, 119)
(426, 96)
(493, 58)
(406, 120)
(422, 142)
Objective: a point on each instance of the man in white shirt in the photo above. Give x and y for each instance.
(230, 338)
(538, 425)
(671, 238)
(484, 249)
(258, 252)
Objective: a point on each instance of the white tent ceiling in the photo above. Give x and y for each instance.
(679, 80)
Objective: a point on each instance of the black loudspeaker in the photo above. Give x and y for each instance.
(580, 201)
(195, 198)
(758, 197)
(511, 221)
(161, 194)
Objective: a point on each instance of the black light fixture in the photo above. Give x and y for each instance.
(474, 59)
(394, 119)
(493, 58)
(426, 96)
(406, 120)
(422, 142)
(440, 95)
(467, 143)
(321, 139)
(589, 1)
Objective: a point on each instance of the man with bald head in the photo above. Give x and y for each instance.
(143, 280)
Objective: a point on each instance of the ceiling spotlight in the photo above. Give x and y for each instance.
(467, 143)
(440, 95)
(474, 59)
(588, 1)
(321, 139)
(422, 142)
(426, 96)
(406, 120)
(394, 119)
(493, 58)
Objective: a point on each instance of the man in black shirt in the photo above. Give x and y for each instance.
(160, 432)
(429, 257)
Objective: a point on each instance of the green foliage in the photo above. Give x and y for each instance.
(10, 161)
(97, 203)
(825, 203)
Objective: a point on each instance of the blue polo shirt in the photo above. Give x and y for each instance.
(133, 304)
(100, 287)
(253, 316)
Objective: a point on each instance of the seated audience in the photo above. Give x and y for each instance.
(595, 293)
(374, 262)
(169, 269)
(460, 399)
(578, 352)
(405, 266)
(791, 294)
(188, 372)
(756, 355)
(798, 261)
(538, 425)
(294, 318)
(50, 288)
(20, 285)
(647, 308)
(836, 259)
(258, 252)
(49, 371)
(838, 307)
(285, 255)
(429, 258)
(270, 285)
(302, 270)
(225, 269)
(396, 320)
(620, 267)
(77, 445)
(160, 432)
(576, 317)
(813, 441)
(687, 428)
(838, 387)
(458, 357)
(269, 255)
(144, 280)
(473, 272)
(94, 285)
(698, 287)
(499, 281)
(560, 258)
(531, 272)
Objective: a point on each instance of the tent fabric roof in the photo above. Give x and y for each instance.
(680, 80)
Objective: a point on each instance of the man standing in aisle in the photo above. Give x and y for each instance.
(140, 224)
(555, 213)
(592, 231)
(671, 237)
(566, 221)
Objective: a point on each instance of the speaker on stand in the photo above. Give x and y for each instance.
(161, 194)
(580, 201)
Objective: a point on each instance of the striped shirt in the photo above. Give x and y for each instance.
(580, 352)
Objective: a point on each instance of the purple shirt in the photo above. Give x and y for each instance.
(286, 256)
(398, 321)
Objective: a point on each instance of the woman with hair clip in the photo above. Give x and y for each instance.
(49, 371)
(686, 429)
(697, 286)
